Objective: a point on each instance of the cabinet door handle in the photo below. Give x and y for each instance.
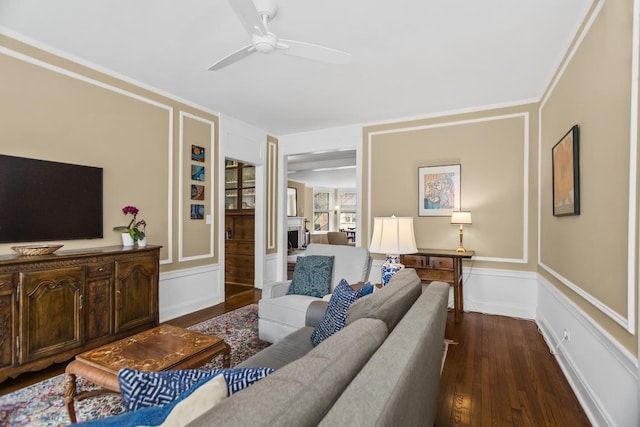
(80, 301)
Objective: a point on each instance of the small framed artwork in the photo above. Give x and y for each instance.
(566, 175)
(197, 192)
(439, 190)
(197, 173)
(197, 211)
(197, 153)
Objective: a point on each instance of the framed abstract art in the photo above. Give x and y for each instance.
(439, 190)
(566, 175)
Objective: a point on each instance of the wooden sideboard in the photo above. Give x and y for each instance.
(53, 307)
(442, 265)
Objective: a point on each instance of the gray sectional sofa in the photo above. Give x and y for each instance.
(382, 369)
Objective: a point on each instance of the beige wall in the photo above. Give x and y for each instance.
(271, 218)
(495, 153)
(53, 109)
(301, 196)
(586, 257)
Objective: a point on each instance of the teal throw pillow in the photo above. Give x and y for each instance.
(335, 317)
(312, 276)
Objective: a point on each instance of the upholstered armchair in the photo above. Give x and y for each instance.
(337, 238)
(280, 314)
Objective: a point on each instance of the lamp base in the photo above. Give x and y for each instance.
(461, 249)
(390, 268)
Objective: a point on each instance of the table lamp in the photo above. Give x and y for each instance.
(461, 217)
(392, 236)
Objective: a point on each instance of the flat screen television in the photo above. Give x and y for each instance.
(43, 201)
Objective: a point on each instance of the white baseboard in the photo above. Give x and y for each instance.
(185, 291)
(603, 375)
(491, 291)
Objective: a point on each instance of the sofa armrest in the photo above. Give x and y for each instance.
(275, 289)
(315, 311)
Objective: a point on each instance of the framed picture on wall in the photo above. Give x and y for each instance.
(197, 153)
(197, 211)
(197, 192)
(197, 173)
(566, 175)
(439, 190)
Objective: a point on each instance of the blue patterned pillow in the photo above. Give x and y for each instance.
(312, 276)
(141, 389)
(203, 396)
(335, 317)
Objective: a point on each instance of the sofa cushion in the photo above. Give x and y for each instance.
(290, 311)
(312, 276)
(290, 348)
(197, 400)
(300, 393)
(141, 389)
(389, 303)
(336, 315)
(399, 385)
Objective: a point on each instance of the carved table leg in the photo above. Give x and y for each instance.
(226, 361)
(69, 396)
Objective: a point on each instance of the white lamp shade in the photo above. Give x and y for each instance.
(393, 235)
(461, 217)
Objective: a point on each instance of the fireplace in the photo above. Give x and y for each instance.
(292, 238)
(295, 232)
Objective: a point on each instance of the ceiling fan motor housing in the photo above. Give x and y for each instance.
(266, 43)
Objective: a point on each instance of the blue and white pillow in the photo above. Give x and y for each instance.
(312, 276)
(194, 402)
(335, 317)
(142, 389)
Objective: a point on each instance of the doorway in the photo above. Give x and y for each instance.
(239, 228)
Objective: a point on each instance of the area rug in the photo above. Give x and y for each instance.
(42, 404)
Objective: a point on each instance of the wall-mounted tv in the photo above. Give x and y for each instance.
(43, 201)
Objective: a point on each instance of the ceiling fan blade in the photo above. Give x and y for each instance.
(235, 56)
(314, 51)
(248, 15)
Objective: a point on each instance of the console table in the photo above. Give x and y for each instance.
(443, 265)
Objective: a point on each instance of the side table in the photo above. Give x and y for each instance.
(443, 265)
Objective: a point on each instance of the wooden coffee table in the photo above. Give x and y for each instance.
(159, 349)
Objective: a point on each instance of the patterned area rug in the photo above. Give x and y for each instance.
(42, 404)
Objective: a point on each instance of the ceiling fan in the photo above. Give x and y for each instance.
(254, 15)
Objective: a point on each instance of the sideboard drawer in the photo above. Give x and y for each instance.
(99, 269)
(419, 261)
(440, 263)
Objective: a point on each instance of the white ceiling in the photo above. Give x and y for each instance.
(410, 57)
(330, 169)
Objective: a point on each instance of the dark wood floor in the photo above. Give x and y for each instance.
(500, 373)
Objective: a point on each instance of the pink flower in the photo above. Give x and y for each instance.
(130, 210)
(135, 229)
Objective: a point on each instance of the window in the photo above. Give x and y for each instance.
(347, 205)
(322, 210)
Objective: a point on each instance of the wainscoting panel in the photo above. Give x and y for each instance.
(185, 291)
(491, 291)
(603, 374)
(273, 270)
